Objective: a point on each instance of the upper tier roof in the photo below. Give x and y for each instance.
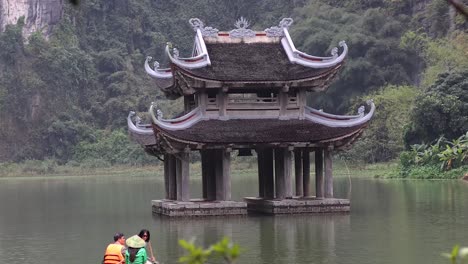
(252, 62)
(244, 56)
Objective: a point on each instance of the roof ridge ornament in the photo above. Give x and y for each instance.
(206, 31)
(277, 31)
(241, 30)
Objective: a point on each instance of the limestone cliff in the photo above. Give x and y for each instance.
(39, 14)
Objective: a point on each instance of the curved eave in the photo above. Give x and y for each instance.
(306, 60)
(340, 120)
(179, 123)
(142, 135)
(332, 116)
(162, 77)
(157, 73)
(199, 61)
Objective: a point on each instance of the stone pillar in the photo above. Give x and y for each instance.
(261, 172)
(283, 169)
(170, 167)
(208, 164)
(288, 163)
(279, 169)
(306, 171)
(328, 173)
(204, 175)
(298, 172)
(268, 172)
(166, 176)
(223, 175)
(319, 173)
(182, 172)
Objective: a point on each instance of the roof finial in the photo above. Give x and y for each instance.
(277, 31)
(242, 30)
(242, 23)
(286, 22)
(206, 31)
(196, 23)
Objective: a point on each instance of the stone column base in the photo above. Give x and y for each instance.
(297, 205)
(198, 207)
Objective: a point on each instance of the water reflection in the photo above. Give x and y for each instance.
(271, 239)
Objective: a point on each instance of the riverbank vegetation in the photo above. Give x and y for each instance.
(64, 98)
(444, 157)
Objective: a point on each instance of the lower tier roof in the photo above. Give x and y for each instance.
(196, 131)
(258, 131)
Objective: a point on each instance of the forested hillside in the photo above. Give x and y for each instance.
(66, 98)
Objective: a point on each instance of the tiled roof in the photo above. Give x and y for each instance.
(243, 62)
(260, 131)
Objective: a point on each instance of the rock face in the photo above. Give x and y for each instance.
(38, 14)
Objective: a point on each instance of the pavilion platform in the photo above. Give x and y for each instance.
(197, 207)
(297, 205)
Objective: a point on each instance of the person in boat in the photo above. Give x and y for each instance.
(115, 252)
(136, 252)
(146, 236)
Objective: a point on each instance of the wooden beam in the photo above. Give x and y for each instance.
(302, 97)
(202, 101)
(221, 98)
(283, 102)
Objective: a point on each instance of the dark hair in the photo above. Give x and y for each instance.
(118, 236)
(133, 252)
(142, 232)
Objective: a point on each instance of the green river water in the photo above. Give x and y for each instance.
(72, 219)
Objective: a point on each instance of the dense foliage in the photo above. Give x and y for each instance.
(383, 139)
(65, 98)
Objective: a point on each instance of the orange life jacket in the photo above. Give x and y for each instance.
(113, 254)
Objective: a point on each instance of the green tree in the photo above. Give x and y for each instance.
(383, 139)
(375, 58)
(442, 110)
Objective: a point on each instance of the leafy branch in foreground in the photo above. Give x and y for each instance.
(458, 255)
(224, 249)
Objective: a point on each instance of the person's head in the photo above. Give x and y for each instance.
(145, 235)
(134, 244)
(119, 237)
